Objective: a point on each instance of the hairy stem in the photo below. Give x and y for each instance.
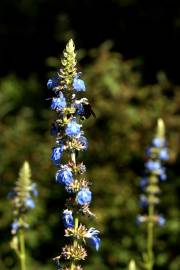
(150, 232)
(22, 253)
(73, 158)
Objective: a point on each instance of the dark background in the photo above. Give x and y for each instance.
(32, 30)
(128, 51)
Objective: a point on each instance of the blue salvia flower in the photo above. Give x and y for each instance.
(143, 201)
(158, 142)
(143, 182)
(52, 83)
(68, 219)
(161, 220)
(57, 154)
(15, 226)
(71, 112)
(84, 142)
(79, 109)
(153, 165)
(34, 189)
(163, 154)
(58, 103)
(64, 175)
(84, 196)
(78, 84)
(73, 128)
(29, 203)
(93, 236)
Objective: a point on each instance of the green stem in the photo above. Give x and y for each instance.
(150, 232)
(22, 253)
(76, 221)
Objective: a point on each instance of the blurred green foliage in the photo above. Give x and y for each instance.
(126, 113)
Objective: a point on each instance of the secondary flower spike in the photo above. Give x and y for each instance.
(72, 110)
(155, 172)
(22, 201)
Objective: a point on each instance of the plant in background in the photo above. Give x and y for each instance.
(22, 202)
(132, 265)
(155, 173)
(72, 110)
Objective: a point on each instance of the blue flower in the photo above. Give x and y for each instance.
(153, 165)
(64, 175)
(140, 219)
(163, 154)
(149, 151)
(15, 226)
(78, 84)
(29, 203)
(158, 142)
(84, 196)
(73, 129)
(54, 129)
(93, 236)
(54, 82)
(84, 142)
(161, 220)
(68, 219)
(34, 189)
(143, 182)
(79, 109)
(56, 154)
(58, 103)
(143, 201)
(162, 174)
(12, 194)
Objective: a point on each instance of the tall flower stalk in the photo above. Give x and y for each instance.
(155, 173)
(71, 109)
(22, 202)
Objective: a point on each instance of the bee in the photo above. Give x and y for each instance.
(84, 108)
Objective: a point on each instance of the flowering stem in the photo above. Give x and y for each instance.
(72, 110)
(76, 227)
(150, 231)
(22, 254)
(73, 158)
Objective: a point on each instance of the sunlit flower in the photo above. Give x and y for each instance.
(53, 82)
(84, 196)
(84, 142)
(78, 84)
(64, 175)
(57, 154)
(163, 154)
(68, 219)
(29, 203)
(15, 226)
(58, 103)
(152, 165)
(161, 220)
(73, 128)
(93, 236)
(158, 142)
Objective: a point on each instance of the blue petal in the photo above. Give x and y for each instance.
(95, 242)
(79, 85)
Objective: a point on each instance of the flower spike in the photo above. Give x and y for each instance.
(71, 111)
(22, 201)
(155, 172)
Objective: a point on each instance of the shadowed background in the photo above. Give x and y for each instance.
(128, 52)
